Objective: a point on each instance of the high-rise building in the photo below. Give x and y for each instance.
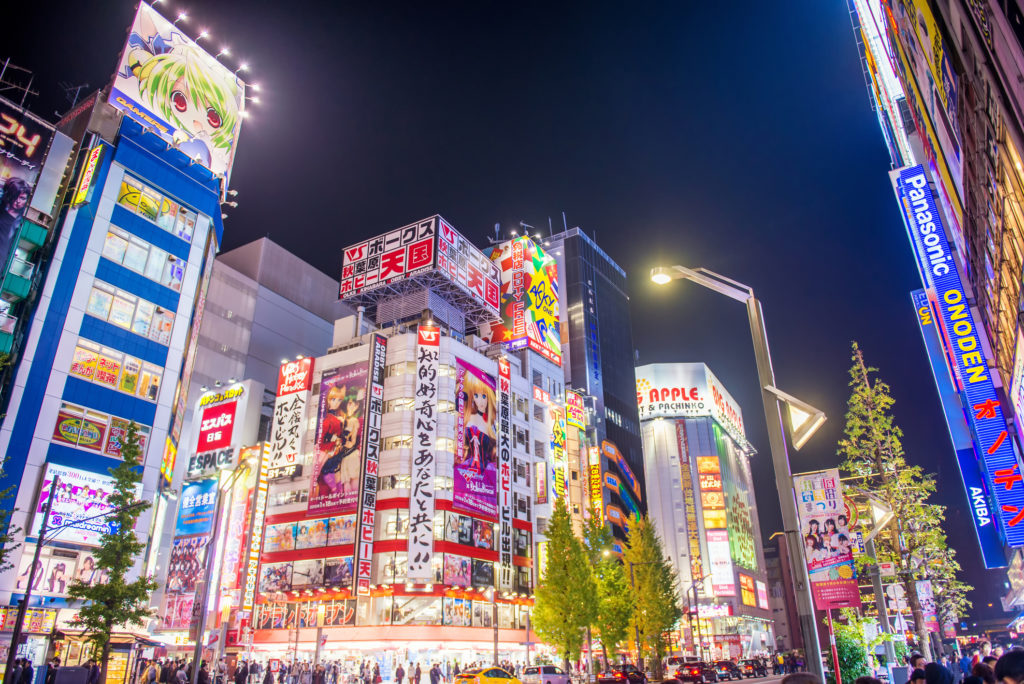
(597, 360)
(785, 619)
(112, 338)
(700, 497)
(945, 80)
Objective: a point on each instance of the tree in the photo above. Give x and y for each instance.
(853, 646)
(565, 596)
(873, 453)
(8, 533)
(117, 602)
(614, 599)
(653, 581)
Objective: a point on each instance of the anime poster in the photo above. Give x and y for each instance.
(275, 577)
(483, 573)
(451, 527)
(23, 144)
(307, 574)
(338, 572)
(341, 530)
(312, 534)
(529, 299)
(465, 534)
(457, 570)
(338, 461)
(483, 535)
(825, 529)
(457, 612)
(279, 537)
(172, 86)
(476, 453)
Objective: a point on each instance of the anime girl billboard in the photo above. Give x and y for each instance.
(167, 82)
(476, 446)
(339, 440)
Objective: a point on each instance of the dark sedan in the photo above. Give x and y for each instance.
(624, 674)
(754, 668)
(727, 669)
(700, 673)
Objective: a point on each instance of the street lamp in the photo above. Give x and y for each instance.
(804, 420)
(696, 605)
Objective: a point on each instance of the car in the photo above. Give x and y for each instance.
(673, 663)
(727, 669)
(545, 674)
(701, 673)
(623, 674)
(485, 675)
(752, 667)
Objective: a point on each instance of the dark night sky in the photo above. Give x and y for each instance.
(704, 134)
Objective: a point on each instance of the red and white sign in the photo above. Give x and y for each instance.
(295, 376)
(388, 258)
(541, 395)
(467, 266)
(686, 390)
(216, 426)
(505, 569)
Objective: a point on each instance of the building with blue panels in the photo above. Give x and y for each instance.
(120, 307)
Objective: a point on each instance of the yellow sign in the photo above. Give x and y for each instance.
(86, 176)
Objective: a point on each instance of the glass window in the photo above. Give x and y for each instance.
(168, 215)
(149, 204)
(84, 361)
(155, 264)
(416, 611)
(108, 368)
(160, 329)
(143, 318)
(135, 255)
(115, 244)
(130, 375)
(173, 273)
(99, 302)
(186, 224)
(149, 383)
(122, 308)
(131, 191)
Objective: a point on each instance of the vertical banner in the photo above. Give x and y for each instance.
(259, 512)
(424, 461)
(826, 536)
(284, 450)
(505, 569)
(689, 503)
(334, 487)
(476, 458)
(368, 500)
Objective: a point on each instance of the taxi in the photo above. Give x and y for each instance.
(485, 675)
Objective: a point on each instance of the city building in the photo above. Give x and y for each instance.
(598, 360)
(403, 499)
(946, 81)
(700, 496)
(119, 308)
(782, 602)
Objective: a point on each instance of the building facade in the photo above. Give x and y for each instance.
(700, 497)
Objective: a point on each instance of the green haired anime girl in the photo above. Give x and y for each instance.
(188, 89)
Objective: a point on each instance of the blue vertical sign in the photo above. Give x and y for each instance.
(978, 494)
(993, 445)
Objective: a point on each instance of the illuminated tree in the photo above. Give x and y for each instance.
(117, 602)
(614, 601)
(914, 540)
(653, 581)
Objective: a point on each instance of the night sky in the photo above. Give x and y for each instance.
(703, 134)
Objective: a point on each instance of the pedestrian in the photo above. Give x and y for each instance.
(181, 676)
(268, 676)
(376, 674)
(51, 670)
(984, 672)
(399, 674)
(241, 672)
(25, 676)
(800, 678)
(435, 674)
(1010, 668)
(417, 675)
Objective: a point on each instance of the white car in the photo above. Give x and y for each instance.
(545, 674)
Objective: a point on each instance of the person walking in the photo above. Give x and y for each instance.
(417, 674)
(435, 674)
(204, 673)
(268, 676)
(399, 674)
(51, 671)
(25, 676)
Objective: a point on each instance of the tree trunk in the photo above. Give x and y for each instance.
(103, 660)
(604, 652)
(910, 587)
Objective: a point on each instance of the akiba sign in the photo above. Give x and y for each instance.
(994, 450)
(686, 390)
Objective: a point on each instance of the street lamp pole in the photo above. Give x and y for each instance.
(696, 606)
(776, 438)
(636, 623)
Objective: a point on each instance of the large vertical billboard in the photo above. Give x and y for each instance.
(505, 568)
(824, 526)
(23, 144)
(283, 451)
(175, 88)
(338, 458)
(371, 464)
(424, 461)
(476, 453)
(995, 453)
(529, 299)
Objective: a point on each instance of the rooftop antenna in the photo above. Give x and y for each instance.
(71, 92)
(565, 226)
(497, 235)
(7, 84)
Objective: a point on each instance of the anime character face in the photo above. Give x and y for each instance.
(480, 402)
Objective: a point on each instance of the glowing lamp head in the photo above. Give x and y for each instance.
(660, 276)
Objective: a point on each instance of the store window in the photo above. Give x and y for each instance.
(446, 444)
(116, 370)
(445, 406)
(397, 442)
(287, 497)
(127, 311)
(416, 610)
(94, 431)
(389, 483)
(401, 368)
(138, 255)
(401, 404)
(152, 205)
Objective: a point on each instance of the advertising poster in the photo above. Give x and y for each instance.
(187, 563)
(424, 463)
(476, 454)
(575, 413)
(81, 496)
(23, 144)
(337, 463)
(457, 570)
(312, 534)
(826, 534)
(389, 258)
(196, 508)
(457, 612)
(467, 267)
(739, 498)
(748, 592)
(308, 573)
(556, 418)
(280, 537)
(366, 520)
(762, 595)
(926, 598)
(293, 383)
(722, 582)
(483, 573)
(171, 85)
(275, 577)
(338, 572)
(341, 530)
(529, 299)
(483, 535)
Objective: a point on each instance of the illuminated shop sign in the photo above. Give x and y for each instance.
(686, 390)
(371, 462)
(85, 179)
(293, 389)
(505, 569)
(424, 462)
(259, 511)
(209, 462)
(997, 458)
(575, 416)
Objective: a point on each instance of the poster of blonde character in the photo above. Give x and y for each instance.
(169, 84)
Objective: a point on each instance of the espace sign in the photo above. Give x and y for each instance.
(686, 390)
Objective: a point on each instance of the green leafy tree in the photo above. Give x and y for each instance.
(653, 582)
(853, 645)
(117, 602)
(614, 599)
(873, 454)
(565, 596)
(9, 533)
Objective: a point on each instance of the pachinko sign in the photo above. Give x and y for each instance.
(371, 465)
(686, 390)
(175, 88)
(826, 538)
(476, 454)
(337, 464)
(994, 449)
(529, 299)
(424, 461)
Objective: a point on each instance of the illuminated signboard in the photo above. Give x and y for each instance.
(216, 426)
(371, 463)
(505, 568)
(689, 502)
(529, 299)
(575, 416)
(78, 506)
(23, 144)
(430, 246)
(748, 593)
(722, 583)
(85, 179)
(997, 458)
(686, 390)
(762, 595)
(256, 524)
(294, 381)
(421, 491)
(176, 89)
